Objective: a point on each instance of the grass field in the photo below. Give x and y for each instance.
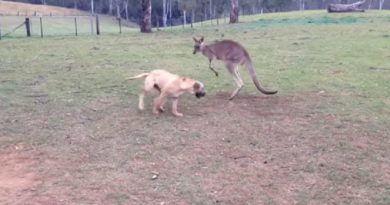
(70, 131)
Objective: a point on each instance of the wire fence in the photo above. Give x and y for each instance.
(17, 26)
(43, 26)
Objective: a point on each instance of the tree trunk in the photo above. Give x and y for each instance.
(381, 4)
(369, 5)
(355, 7)
(170, 11)
(234, 11)
(164, 13)
(126, 5)
(118, 10)
(192, 17)
(184, 17)
(92, 7)
(301, 5)
(110, 6)
(211, 10)
(146, 23)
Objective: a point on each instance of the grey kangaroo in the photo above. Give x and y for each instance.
(233, 55)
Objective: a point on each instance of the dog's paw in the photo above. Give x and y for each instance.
(161, 109)
(177, 114)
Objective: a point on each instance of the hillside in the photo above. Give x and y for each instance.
(15, 8)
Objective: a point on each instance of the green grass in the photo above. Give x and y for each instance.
(324, 140)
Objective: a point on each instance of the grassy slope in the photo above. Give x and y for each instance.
(341, 55)
(12, 8)
(55, 20)
(345, 59)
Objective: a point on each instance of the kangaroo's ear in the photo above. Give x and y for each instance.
(195, 39)
(201, 39)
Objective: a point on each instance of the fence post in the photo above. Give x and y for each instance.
(75, 24)
(0, 27)
(97, 25)
(27, 22)
(40, 20)
(120, 25)
(91, 20)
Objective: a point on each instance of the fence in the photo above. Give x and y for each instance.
(41, 26)
(17, 26)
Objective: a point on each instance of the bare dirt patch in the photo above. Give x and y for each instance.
(19, 179)
(252, 150)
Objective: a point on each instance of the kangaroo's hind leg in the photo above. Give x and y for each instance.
(233, 69)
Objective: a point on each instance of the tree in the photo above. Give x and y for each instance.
(381, 4)
(234, 11)
(165, 12)
(126, 5)
(146, 21)
(92, 7)
(186, 5)
(118, 8)
(301, 5)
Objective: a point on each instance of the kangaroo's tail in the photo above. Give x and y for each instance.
(257, 83)
(142, 75)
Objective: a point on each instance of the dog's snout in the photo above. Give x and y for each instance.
(200, 94)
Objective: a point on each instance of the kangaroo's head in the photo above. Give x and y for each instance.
(199, 45)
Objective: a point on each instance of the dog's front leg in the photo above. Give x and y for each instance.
(174, 107)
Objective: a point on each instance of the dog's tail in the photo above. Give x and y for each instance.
(142, 75)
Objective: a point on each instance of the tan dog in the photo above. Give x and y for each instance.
(170, 86)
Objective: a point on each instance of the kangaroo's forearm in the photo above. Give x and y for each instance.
(212, 69)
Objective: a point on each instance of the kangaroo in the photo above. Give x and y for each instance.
(233, 55)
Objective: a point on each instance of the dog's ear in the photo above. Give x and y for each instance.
(196, 86)
(201, 39)
(196, 41)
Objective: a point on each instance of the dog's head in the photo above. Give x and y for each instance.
(199, 45)
(199, 89)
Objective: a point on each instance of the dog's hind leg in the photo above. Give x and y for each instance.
(149, 85)
(141, 100)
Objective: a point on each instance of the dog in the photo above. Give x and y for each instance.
(170, 86)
